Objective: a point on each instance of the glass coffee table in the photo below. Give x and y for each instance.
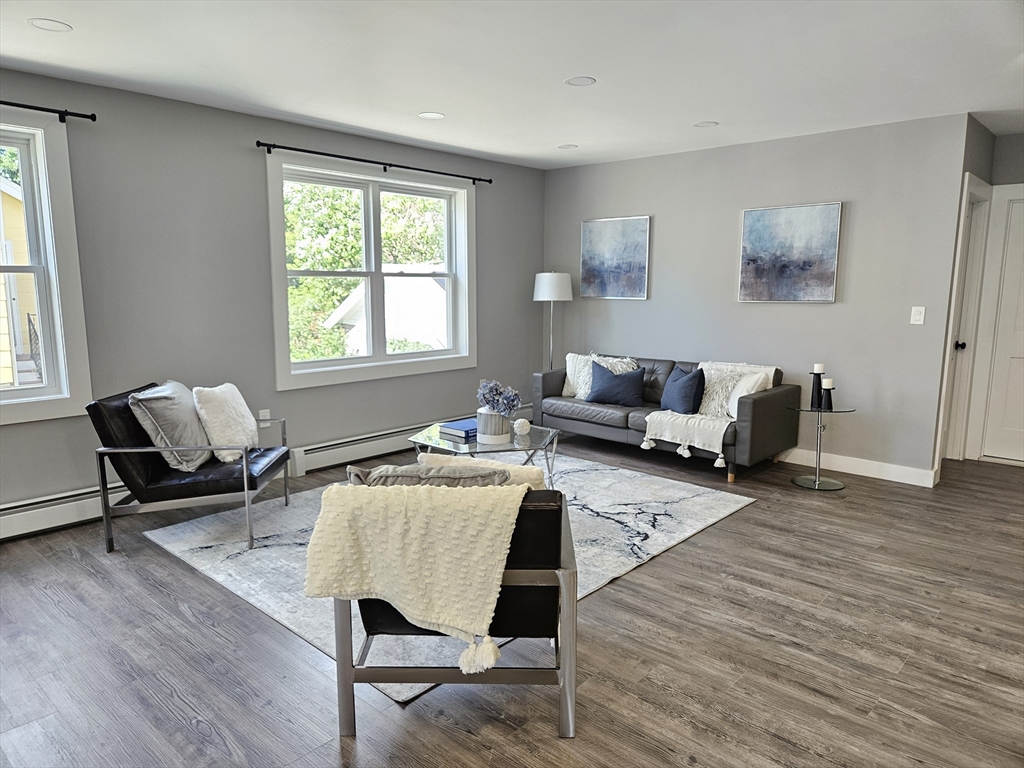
(533, 442)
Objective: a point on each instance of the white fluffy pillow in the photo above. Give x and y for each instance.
(748, 385)
(518, 475)
(574, 363)
(226, 419)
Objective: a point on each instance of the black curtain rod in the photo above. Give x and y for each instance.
(63, 114)
(385, 166)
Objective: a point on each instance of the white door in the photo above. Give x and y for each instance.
(1004, 417)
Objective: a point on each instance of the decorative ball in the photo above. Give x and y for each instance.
(521, 426)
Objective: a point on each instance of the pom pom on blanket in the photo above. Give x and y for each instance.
(720, 461)
(477, 658)
(684, 451)
(647, 444)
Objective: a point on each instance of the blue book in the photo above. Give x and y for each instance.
(463, 427)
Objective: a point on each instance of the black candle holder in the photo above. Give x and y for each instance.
(826, 399)
(815, 390)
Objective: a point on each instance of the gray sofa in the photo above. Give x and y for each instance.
(764, 427)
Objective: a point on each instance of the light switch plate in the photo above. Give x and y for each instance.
(917, 315)
(265, 414)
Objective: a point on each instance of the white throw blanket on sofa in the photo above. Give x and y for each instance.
(705, 429)
(436, 554)
(689, 430)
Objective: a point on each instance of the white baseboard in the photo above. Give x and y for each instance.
(863, 467)
(42, 518)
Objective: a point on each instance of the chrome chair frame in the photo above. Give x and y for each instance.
(563, 674)
(127, 505)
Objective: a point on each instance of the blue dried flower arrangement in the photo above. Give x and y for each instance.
(504, 400)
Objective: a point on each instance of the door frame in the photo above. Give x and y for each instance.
(965, 292)
(988, 317)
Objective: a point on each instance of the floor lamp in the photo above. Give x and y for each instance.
(552, 287)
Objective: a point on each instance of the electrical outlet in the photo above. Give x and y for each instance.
(265, 414)
(917, 315)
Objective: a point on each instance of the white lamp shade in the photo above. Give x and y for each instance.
(552, 286)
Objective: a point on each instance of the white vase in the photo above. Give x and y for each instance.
(491, 426)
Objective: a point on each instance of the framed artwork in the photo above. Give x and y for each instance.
(790, 253)
(614, 258)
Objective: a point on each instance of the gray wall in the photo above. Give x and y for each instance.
(1008, 159)
(979, 146)
(899, 185)
(171, 207)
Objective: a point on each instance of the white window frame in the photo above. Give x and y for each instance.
(461, 195)
(59, 281)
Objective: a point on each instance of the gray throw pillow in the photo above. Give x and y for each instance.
(168, 414)
(414, 474)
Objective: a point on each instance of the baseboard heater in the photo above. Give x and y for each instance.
(59, 510)
(332, 454)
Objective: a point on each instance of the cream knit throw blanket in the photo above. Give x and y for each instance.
(705, 429)
(436, 554)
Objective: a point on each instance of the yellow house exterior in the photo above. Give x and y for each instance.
(18, 299)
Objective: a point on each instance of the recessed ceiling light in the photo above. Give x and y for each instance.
(581, 80)
(50, 25)
(432, 115)
(705, 124)
(568, 146)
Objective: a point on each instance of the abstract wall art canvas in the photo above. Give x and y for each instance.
(614, 258)
(790, 254)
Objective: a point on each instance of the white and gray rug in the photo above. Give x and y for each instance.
(619, 518)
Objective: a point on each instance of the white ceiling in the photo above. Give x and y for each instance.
(762, 69)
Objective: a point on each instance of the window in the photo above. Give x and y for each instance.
(372, 274)
(44, 370)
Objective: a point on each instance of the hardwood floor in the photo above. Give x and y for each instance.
(881, 625)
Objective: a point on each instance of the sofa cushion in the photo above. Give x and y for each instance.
(214, 477)
(580, 410)
(624, 389)
(683, 391)
(657, 375)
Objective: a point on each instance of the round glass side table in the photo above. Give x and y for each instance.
(816, 482)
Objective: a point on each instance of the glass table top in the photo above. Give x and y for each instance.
(536, 439)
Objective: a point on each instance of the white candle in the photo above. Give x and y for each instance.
(826, 384)
(819, 367)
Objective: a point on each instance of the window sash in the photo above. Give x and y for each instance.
(373, 254)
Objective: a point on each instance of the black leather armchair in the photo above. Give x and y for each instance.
(538, 599)
(154, 485)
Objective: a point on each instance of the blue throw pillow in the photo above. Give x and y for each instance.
(617, 389)
(683, 391)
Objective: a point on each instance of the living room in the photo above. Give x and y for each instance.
(181, 279)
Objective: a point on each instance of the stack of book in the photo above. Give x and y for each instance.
(462, 431)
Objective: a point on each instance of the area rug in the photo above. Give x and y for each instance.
(619, 519)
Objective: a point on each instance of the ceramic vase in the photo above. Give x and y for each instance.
(491, 426)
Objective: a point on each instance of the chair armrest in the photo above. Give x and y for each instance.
(284, 431)
(546, 384)
(765, 423)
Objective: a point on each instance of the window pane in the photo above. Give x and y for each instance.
(21, 352)
(413, 231)
(416, 314)
(327, 318)
(323, 227)
(15, 225)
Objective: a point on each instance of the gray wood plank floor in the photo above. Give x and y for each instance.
(881, 625)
